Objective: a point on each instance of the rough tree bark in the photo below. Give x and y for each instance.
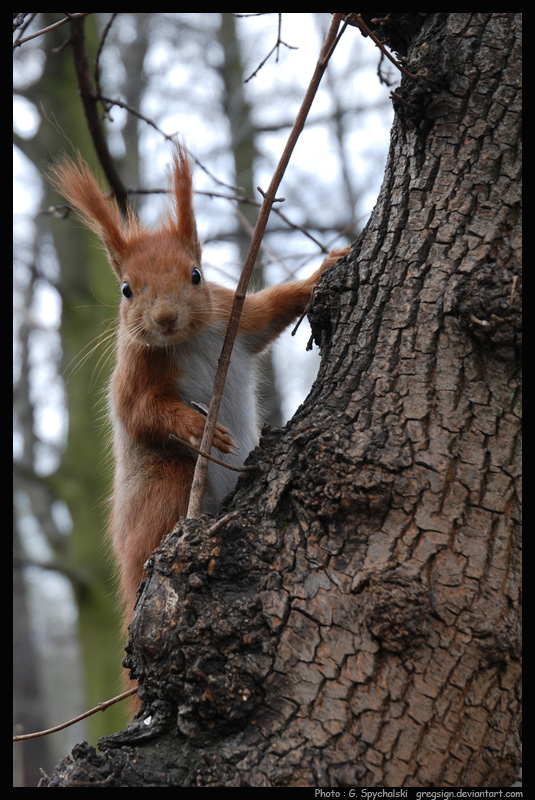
(356, 622)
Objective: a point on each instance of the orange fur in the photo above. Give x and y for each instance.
(172, 324)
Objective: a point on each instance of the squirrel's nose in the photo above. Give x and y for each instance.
(165, 318)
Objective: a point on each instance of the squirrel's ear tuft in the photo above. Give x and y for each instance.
(182, 221)
(75, 181)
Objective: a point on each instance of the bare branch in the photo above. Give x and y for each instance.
(199, 479)
(89, 101)
(101, 707)
(42, 31)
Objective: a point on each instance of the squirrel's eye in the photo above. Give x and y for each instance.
(196, 277)
(127, 291)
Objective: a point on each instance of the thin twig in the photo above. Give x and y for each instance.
(357, 19)
(42, 31)
(109, 102)
(199, 478)
(101, 707)
(221, 522)
(300, 320)
(209, 457)
(104, 36)
(276, 47)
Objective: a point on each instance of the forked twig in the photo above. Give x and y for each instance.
(274, 49)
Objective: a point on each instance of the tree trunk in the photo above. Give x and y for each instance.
(356, 623)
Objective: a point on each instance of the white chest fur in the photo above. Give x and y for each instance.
(198, 360)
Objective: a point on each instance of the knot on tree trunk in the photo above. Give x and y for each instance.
(200, 638)
(489, 300)
(396, 612)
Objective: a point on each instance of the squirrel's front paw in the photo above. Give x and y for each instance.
(334, 256)
(222, 440)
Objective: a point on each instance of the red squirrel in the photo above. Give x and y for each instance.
(172, 325)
